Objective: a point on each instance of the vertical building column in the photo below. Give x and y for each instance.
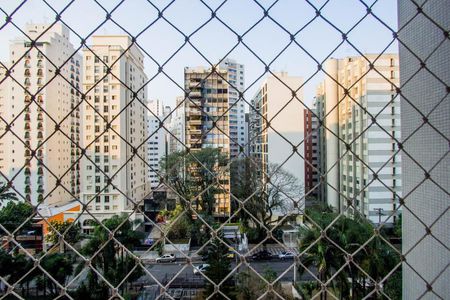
(331, 122)
(426, 222)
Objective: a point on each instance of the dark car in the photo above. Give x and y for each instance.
(262, 255)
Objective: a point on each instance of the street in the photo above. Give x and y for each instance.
(166, 271)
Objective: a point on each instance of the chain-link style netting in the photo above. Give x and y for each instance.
(284, 193)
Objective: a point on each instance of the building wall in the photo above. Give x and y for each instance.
(207, 120)
(236, 78)
(274, 145)
(373, 147)
(177, 127)
(311, 150)
(427, 202)
(156, 142)
(33, 122)
(110, 150)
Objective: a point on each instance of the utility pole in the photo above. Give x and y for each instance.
(380, 213)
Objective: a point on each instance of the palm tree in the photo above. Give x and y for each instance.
(320, 252)
(5, 195)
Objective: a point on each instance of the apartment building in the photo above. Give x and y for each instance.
(39, 148)
(426, 222)
(276, 129)
(362, 129)
(236, 114)
(311, 145)
(114, 127)
(157, 146)
(177, 127)
(207, 120)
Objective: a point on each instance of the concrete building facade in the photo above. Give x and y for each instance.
(425, 97)
(41, 106)
(311, 145)
(236, 113)
(157, 147)
(207, 121)
(114, 128)
(276, 128)
(177, 127)
(356, 147)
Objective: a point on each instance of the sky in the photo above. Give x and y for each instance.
(214, 40)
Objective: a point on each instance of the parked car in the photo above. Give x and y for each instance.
(166, 258)
(201, 268)
(286, 255)
(262, 255)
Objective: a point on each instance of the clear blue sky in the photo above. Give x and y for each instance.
(215, 40)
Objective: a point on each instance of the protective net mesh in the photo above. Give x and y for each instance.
(309, 205)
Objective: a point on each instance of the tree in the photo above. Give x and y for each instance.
(265, 194)
(112, 260)
(14, 214)
(57, 227)
(60, 267)
(14, 267)
(320, 253)
(5, 195)
(376, 258)
(195, 176)
(219, 268)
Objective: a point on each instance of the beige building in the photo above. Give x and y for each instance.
(276, 128)
(42, 97)
(114, 128)
(349, 98)
(207, 123)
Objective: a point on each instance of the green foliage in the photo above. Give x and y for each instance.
(6, 195)
(398, 227)
(393, 285)
(71, 236)
(180, 228)
(60, 267)
(113, 260)
(194, 176)
(219, 267)
(376, 258)
(14, 214)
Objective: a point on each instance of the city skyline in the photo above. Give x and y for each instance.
(131, 167)
(319, 38)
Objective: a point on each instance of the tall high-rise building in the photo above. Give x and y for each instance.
(276, 129)
(39, 146)
(114, 127)
(425, 81)
(236, 114)
(177, 127)
(207, 121)
(311, 145)
(362, 129)
(156, 139)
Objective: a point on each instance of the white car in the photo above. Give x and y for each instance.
(286, 255)
(166, 258)
(201, 268)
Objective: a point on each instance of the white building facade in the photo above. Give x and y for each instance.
(114, 128)
(157, 147)
(276, 130)
(362, 164)
(177, 127)
(236, 114)
(42, 108)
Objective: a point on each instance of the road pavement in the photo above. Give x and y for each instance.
(166, 271)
